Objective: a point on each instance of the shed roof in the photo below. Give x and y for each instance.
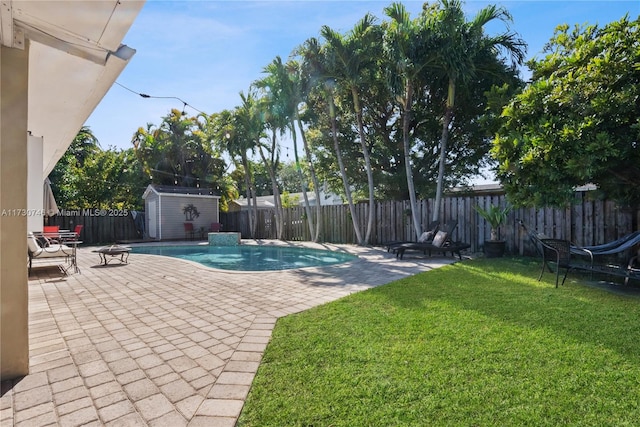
(175, 190)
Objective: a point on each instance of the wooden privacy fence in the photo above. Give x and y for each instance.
(587, 222)
(100, 226)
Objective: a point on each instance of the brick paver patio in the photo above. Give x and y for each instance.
(165, 342)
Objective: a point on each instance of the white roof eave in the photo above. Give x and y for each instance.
(58, 110)
(75, 56)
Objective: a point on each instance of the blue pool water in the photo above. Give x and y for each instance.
(249, 258)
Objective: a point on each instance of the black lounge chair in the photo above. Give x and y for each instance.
(425, 237)
(617, 246)
(441, 243)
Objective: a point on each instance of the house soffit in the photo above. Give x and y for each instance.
(75, 55)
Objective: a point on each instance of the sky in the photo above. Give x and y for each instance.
(206, 52)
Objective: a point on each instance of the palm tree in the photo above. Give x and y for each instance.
(274, 123)
(404, 46)
(250, 128)
(84, 144)
(233, 131)
(283, 95)
(300, 89)
(272, 164)
(175, 153)
(351, 59)
(462, 46)
(320, 70)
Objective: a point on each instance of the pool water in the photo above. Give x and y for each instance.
(249, 258)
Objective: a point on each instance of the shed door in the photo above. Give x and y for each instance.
(153, 219)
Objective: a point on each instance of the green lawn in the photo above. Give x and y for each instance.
(477, 343)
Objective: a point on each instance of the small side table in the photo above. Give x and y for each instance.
(113, 251)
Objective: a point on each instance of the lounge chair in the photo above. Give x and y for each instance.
(611, 248)
(441, 243)
(425, 237)
(618, 246)
(35, 251)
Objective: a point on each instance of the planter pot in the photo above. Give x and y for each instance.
(494, 248)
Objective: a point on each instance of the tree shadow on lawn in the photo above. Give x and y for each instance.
(507, 290)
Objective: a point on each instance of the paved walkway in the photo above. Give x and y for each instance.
(165, 342)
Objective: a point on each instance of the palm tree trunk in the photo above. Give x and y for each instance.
(448, 115)
(303, 181)
(314, 178)
(343, 173)
(277, 201)
(276, 191)
(407, 158)
(367, 162)
(250, 196)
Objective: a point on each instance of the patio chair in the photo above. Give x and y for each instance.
(215, 227)
(35, 251)
(426, 236)
(50, 234)
(50, 228)
(72, 236)
(189, 231)
(556, 251)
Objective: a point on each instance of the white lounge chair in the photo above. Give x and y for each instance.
(52, 251)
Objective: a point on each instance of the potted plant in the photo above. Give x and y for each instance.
(495, 216)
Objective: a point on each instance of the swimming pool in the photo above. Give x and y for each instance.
(249, 257)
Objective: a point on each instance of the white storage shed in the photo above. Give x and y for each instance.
(168, 209)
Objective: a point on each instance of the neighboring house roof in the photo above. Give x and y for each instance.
(496, 188)
(490, 188)
(75, 55)
(326, 198)
(169, 189)
(265, 202)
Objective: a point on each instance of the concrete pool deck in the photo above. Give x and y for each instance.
(165, 342)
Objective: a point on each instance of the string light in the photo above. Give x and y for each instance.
(144, 95)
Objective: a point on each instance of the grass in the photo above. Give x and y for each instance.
(477, 343)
